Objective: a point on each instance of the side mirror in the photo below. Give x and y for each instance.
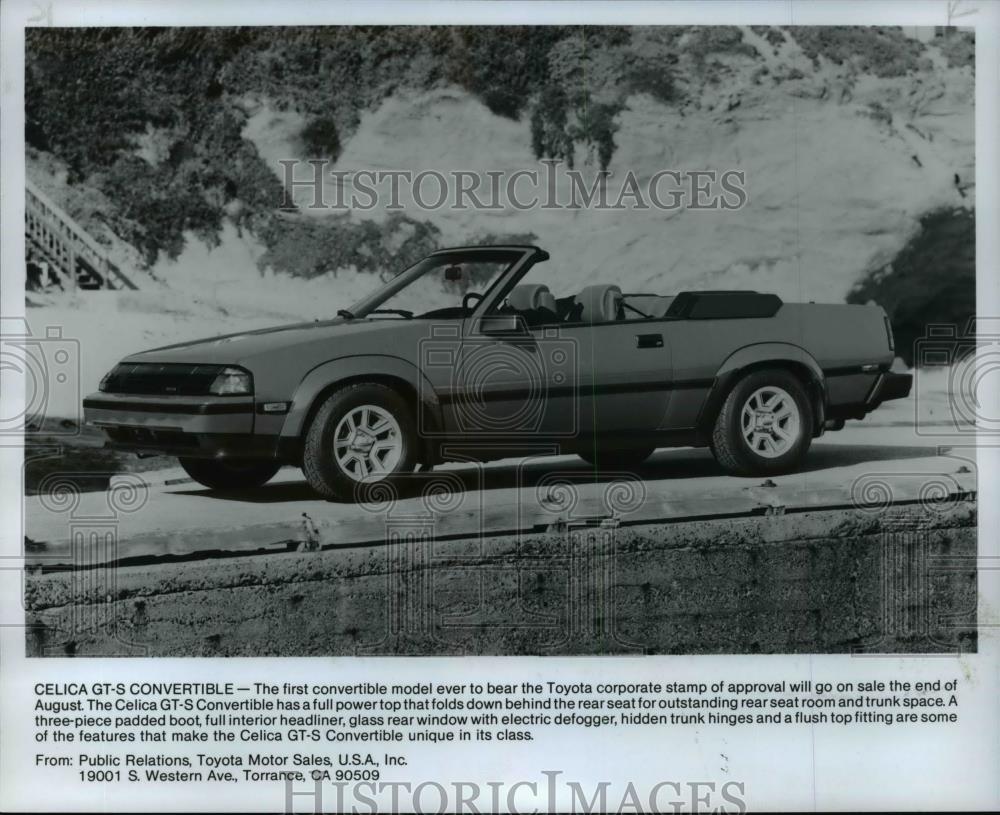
(502, 324)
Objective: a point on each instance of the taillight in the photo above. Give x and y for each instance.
(888, 332)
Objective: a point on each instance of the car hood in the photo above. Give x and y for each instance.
(233, 349)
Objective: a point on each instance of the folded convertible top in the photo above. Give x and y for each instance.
(722, 305)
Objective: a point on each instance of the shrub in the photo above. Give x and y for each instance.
(774, 36)
(931, 280)
(312, 247)
(550, 136)
(320, 138)
(959, 48)
(884, 52)
(502, 65)
(717, 39)
(597, 128)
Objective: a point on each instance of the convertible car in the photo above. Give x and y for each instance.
(475, 354)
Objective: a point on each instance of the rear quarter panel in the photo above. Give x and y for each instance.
(824, 338)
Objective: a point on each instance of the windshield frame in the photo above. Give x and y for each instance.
(518, 258)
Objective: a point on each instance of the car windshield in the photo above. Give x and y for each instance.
(437, 286)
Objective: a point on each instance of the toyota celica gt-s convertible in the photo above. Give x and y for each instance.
(471, 354)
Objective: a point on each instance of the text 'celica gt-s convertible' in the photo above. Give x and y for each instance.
(469, 355)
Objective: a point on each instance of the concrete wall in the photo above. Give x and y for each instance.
(824, 582)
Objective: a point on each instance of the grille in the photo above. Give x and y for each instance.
(161, 379)
(160, 438)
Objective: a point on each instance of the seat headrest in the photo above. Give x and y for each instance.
(528, 296)
(599, 303)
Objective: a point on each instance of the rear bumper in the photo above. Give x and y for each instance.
(889, 386)
(205, 427)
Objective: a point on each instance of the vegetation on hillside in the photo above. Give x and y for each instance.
(931, 280)
(959, 48)
(153, 119)
(877, 50)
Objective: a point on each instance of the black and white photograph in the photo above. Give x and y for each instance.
(445, 340)
(375, 333)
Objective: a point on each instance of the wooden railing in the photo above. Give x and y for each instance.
(75, 256)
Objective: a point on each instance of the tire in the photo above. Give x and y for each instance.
(334, 468)
(616, 456)
(745, 442)
(231, 474)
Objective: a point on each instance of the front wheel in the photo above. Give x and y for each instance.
(230, 474)
(765, 425)
(362, 435)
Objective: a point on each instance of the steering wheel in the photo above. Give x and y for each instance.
(470, 294)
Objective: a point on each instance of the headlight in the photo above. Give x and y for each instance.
(103, 386)
(232, 382)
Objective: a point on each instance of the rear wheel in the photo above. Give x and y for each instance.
(361, 436)
(230, 474)
(765, 425)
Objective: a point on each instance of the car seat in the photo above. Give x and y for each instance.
(600, 303)
(529, 297)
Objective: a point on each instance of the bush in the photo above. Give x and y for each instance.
(550, 136)
(597, 128)
(770, 33)
(717, 39)
(313, 247)
(320, 138)
(502, 65)
(931, 280)
(959, 48)
(884, 52)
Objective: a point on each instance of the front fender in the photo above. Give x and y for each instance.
(373, 367)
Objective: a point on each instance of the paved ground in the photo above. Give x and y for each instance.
(170, 515)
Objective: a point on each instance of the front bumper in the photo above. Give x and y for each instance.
(197, 427)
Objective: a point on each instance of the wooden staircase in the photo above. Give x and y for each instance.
(78, 260)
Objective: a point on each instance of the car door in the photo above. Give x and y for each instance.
(515, 383)
(625, 376)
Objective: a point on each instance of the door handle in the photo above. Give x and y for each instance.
(648, 340)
